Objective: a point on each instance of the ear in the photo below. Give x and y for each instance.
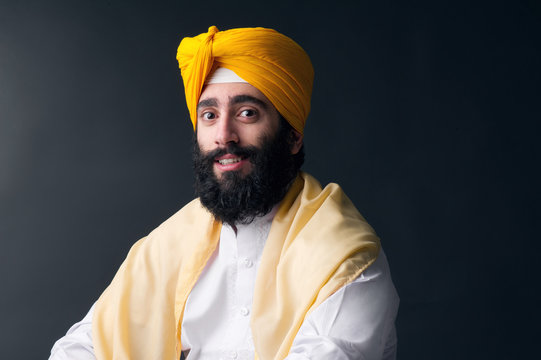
(296, 141)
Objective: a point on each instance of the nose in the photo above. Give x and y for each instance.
(226, 131)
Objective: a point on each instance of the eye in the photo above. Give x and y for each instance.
(208, 115)
(248, 113)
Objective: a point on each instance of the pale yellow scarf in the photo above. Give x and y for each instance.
(318, 242)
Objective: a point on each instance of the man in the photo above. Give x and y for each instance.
(265, 263)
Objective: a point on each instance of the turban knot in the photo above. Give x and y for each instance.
(271, 62)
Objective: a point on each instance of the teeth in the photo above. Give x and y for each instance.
(228, 161)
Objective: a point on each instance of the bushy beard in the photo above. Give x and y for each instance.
(236, 198)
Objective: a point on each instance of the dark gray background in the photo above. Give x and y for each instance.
(426, 112)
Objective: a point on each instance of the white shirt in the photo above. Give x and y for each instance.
(357, 322)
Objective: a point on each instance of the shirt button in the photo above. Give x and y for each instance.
(233, 355)
(244, 311)
(248, 263)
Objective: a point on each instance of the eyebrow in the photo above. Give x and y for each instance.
(207, 102)
(239, 99)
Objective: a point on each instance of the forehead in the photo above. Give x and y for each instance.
(225, 91)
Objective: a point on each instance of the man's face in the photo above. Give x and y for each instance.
(233, 113)
(243, 153)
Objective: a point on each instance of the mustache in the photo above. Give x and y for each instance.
(233, 149)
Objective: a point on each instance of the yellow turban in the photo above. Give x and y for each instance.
(271, 62)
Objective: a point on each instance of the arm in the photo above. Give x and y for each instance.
(357, 322)
(77, 343)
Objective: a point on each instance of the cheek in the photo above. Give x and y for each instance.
(203, 139)
(254, 135)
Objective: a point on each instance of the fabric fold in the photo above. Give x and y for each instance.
(317, 243)
(273, 63)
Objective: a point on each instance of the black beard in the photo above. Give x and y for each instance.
(237, 199)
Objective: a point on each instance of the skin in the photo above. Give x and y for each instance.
(236, 113)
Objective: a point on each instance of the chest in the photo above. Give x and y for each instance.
(216, 322)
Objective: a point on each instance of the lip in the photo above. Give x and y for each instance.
(232, 166)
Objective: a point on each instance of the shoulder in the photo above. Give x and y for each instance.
(333, 214)
(180, 232)
(190, 213)
(190, 216)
